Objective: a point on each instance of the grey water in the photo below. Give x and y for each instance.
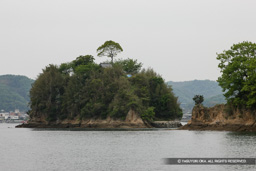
(27, 149)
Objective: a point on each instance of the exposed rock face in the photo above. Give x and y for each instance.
(220, 117)
(133, 117)
(133, 120)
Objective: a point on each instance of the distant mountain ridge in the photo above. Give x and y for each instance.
(14, 92)
(186, 90)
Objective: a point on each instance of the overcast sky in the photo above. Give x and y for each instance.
(179, 39)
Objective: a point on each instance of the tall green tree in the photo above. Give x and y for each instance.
(109, 49)
(238, 68)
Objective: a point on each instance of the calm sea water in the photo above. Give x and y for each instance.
(27, 149)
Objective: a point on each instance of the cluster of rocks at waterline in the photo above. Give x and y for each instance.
(132, 120)
(222, 118)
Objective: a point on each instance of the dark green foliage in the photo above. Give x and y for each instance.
(82, 89)
(14, 92)
(46, 93)
(149, 114)
(130, 66)
(81, 65)
(198, 99)
(153, 92)
(238, 79)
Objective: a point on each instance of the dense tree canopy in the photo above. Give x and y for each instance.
(109, 49)
(238, 79)
(130, 66)
(82, 89)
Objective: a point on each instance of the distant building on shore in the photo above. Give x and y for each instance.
(13, 117)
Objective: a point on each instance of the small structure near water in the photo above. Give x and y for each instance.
(186, 117)
(166, 124)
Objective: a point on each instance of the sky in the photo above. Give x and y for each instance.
(179, 39)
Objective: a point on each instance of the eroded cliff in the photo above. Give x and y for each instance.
(221, 117)
(132, 120)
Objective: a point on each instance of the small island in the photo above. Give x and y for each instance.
(238, 81)
(113, 94)
(221, 118)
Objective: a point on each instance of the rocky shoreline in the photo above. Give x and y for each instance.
(215, 127)
(132, 121)
(218, 118)
(102, 124)
(69, 125)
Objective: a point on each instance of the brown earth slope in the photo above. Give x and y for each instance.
(222, 118)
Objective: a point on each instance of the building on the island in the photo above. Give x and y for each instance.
(105, 65)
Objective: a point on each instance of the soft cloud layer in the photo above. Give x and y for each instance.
(178, 38)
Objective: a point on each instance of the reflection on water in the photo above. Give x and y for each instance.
(125, 149)
(241, 134)
(99, 129)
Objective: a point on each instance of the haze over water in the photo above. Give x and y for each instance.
(65, 149)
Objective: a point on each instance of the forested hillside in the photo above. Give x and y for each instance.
(82, 89)
(186, 90)
(14, 92)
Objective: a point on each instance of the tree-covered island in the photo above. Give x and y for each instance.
(82, 91)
